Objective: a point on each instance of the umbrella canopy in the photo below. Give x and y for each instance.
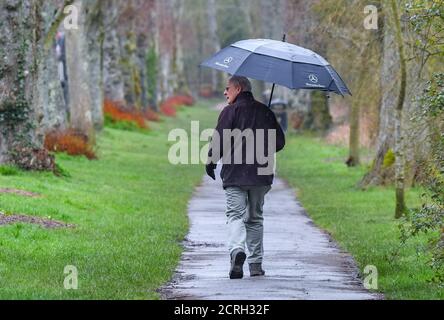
(278, 62)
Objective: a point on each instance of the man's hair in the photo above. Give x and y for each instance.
(241, 82)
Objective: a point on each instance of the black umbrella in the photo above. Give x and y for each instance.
(278, 62)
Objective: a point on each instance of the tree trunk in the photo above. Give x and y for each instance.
(319, 118)
(399, 143)
(80, 100)
(417, 148)
(353, 158)
(113, 79)
(382, 172)
(179, 56)
(20, 43)
(165, 41)
(355, 115)
(49, 100)
(31, 96)
(95, 33)
(213, 40)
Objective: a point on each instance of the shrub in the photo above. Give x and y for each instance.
(151, 115)
(429, 218)
(168, 110)
(170, 105)
(185, 100)
(115, 112)
(8, 171)
(69, 141)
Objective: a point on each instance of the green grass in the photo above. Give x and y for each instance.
(8, 171)
(361, 221)
(129, 208)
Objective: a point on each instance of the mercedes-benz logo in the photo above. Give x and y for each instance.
(228, 60)
(313, 78)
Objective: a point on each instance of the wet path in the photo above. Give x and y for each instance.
(301, 261)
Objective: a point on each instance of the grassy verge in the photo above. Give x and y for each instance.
(129, 208)
(361, 221)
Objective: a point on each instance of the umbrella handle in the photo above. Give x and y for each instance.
(271, 96)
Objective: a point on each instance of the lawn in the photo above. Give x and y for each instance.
(129, 212)
(361, 221)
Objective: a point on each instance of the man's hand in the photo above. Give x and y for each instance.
(210, 170)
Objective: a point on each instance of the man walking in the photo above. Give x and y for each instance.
(247, 171)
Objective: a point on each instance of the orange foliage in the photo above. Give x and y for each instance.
(117, 113)
(151, 115)
(169, 106)
(184, 100)
(69, 141)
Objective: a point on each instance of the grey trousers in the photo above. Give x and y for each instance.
(245, 220)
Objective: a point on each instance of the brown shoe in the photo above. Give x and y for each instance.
(256, 270)
(238, 257)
